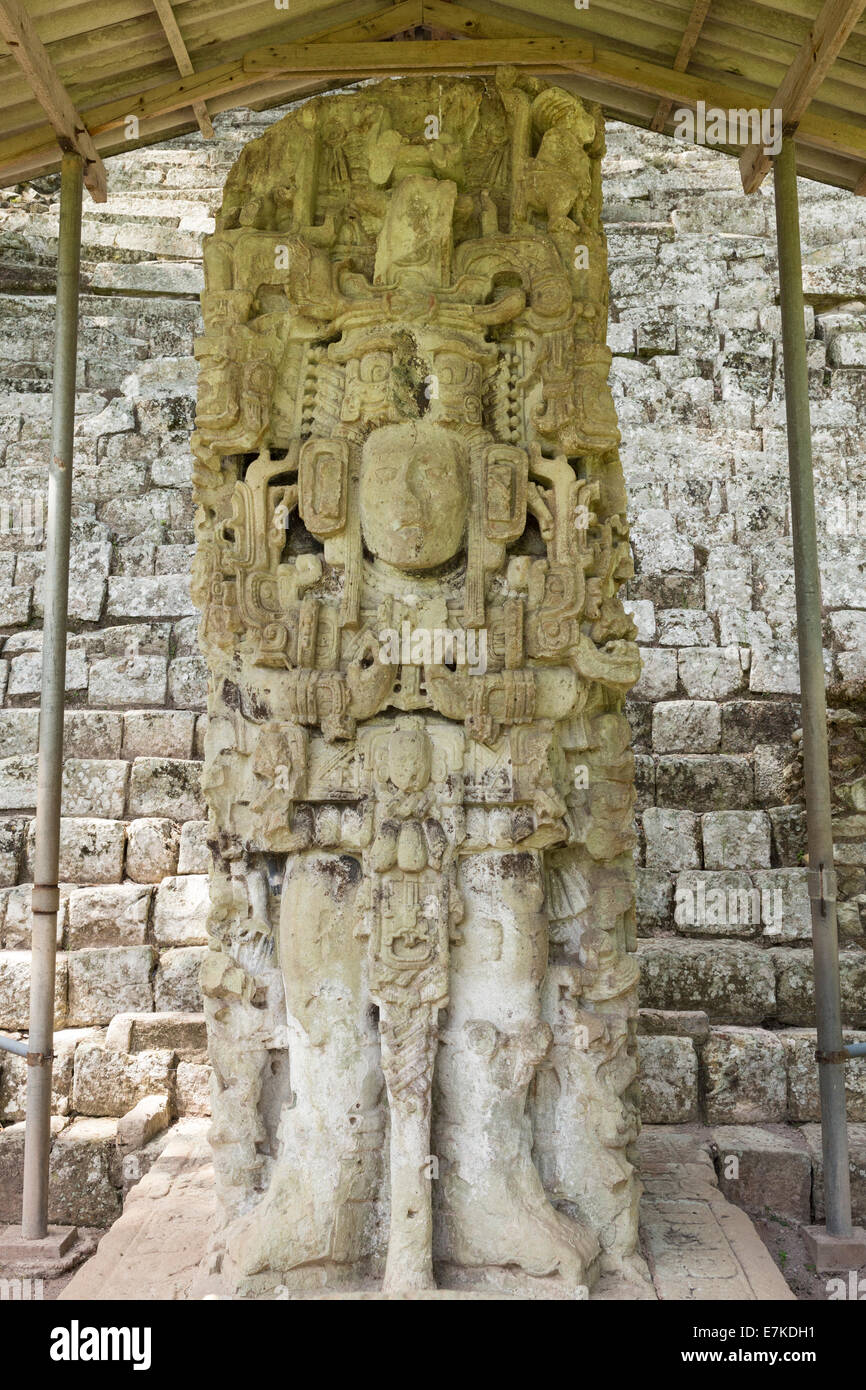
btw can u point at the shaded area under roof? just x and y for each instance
(118, 59)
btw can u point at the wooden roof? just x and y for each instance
(74, 72)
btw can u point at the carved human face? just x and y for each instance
(414, 495)
(409, 759)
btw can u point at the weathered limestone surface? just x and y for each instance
(765, 1169)
(84, 1183)
(668, 1080)
(702, 1248)
(422, 888)
(695, 334)
(111, 1083)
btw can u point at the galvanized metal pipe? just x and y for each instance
(37, 1139)
(816, 765)
(13, 1045)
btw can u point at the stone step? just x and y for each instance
(183, 1033)
(84, 1181)
(728, 1075)
(93, 985)
(778, 1170)
(744, 983)
(106, 789)
(856, 1169)
(767, 1170)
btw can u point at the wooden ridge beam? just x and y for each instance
(71, 130)
(183, 60)
(535, 55)
(802, 80)
(681, 61)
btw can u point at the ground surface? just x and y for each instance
(698, 1245)
(785, 1243)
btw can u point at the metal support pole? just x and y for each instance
(825, 945)
(37, 1140)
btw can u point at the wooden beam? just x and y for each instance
(802, 80)
(72, 133)
(183, 60)
(384, 24)
(546, 55)
(348, 60)
(681, 61)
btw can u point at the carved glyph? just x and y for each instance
(411, 536)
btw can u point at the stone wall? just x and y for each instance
(697, 378)
(699, 390)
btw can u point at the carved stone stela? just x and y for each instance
(411, 534)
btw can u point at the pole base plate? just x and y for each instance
(54, 1253)
(835, 1252)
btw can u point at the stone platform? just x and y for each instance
(698, 1245)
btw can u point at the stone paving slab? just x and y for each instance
(698, 1245)
(155, 1247)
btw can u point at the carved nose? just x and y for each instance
(408, 507)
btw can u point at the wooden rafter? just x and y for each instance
(72, 133)
(821, 132)
(681, 61)
(802, 80)
(183, 60)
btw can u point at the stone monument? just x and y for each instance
(411, 534)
